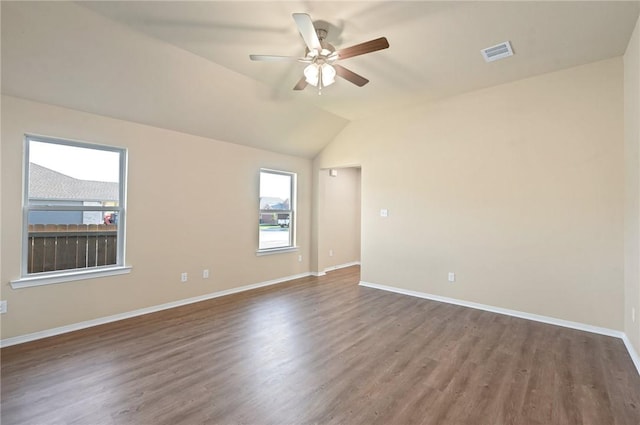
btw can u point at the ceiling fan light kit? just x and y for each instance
(320, 75)
(321, 56)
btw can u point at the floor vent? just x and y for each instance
(499, 51)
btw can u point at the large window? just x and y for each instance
(277, 207)
(74, 208)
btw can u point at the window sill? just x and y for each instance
(271, 251)
(70, 276)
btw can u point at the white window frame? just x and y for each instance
(59, 276)
(291, 211)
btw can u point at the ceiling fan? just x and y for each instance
(321, 56)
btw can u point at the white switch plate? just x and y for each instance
(300, 258)
(452, 277)
(384, 213)
(633, 314)
(3, 307)
(331, 253)
(205, 274)
(184, 277)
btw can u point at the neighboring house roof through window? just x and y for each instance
(269, 202)
(45, 183)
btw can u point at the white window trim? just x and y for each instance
(61, 276)
(293, 201)
(48, 278)
(271, 251)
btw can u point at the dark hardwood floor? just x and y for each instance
(321, 351)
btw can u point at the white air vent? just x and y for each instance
(499, 51)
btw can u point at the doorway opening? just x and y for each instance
(339, 225)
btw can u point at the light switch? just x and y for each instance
(384, 213)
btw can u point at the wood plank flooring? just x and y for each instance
(321, 351)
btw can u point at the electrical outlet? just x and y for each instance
(452, 277)
(205, 274)
(3, 307)
(184, 277)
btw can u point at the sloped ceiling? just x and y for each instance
(185, 66)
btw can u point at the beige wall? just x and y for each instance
(632, 187)
(339, 221)
(192, 202)
(518, 189)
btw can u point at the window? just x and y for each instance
(74, 208)
(277, 208)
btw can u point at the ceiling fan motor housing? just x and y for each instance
(325, 55)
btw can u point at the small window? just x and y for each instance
(277, 206)
(73, 208)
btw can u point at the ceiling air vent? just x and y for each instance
(499, 51)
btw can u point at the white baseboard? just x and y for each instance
(632, 352)
(108, 319)
(529, 316)
(332, 268)
(341, 266)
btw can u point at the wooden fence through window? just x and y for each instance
(71, 246)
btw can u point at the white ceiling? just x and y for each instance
(434, 53)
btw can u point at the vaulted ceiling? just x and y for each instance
(185, 65)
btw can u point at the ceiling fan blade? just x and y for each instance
(351, 76)
(272, 58)
(362, 48)
(301, 84)
(307, 30)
